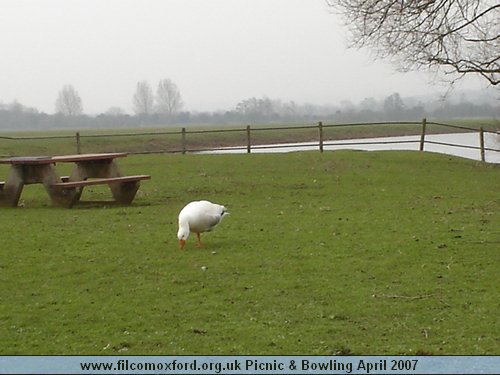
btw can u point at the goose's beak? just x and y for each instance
(182, 243)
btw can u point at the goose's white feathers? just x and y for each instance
(198, 217)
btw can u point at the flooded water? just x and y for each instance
(465, 145)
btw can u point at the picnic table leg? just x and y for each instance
(24, 174)
(59, 197)
(64, 197)
(11, 191)
(93, 169)
(124, 192)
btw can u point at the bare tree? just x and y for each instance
(168, 97)
(461, 37)
(143, 98)
(393, 103)
(69, 102)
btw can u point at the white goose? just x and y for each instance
(198, 217)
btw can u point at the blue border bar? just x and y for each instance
(249, 365)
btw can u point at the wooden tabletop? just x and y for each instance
(27, 160)
(87, 157)
(61, 159)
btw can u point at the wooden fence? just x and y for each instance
(247, 146)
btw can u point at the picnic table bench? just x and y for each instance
(123, 188)
(89, 169)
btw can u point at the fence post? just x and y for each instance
(320, 129)
(78, 144)
(481, 143)
(422, 136)
(249, 140)
(183, 140)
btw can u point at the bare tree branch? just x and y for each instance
(459, 36)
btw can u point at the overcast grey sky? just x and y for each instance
(218, 52)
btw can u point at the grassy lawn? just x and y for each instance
(337, 253)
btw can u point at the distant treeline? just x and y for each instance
(15, 116)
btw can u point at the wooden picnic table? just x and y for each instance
(89, 169)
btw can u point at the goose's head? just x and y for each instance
(183, 234)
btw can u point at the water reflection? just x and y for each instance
(465, 145)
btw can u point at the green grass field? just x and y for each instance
(336, 253)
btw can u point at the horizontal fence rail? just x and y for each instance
(188, 141)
